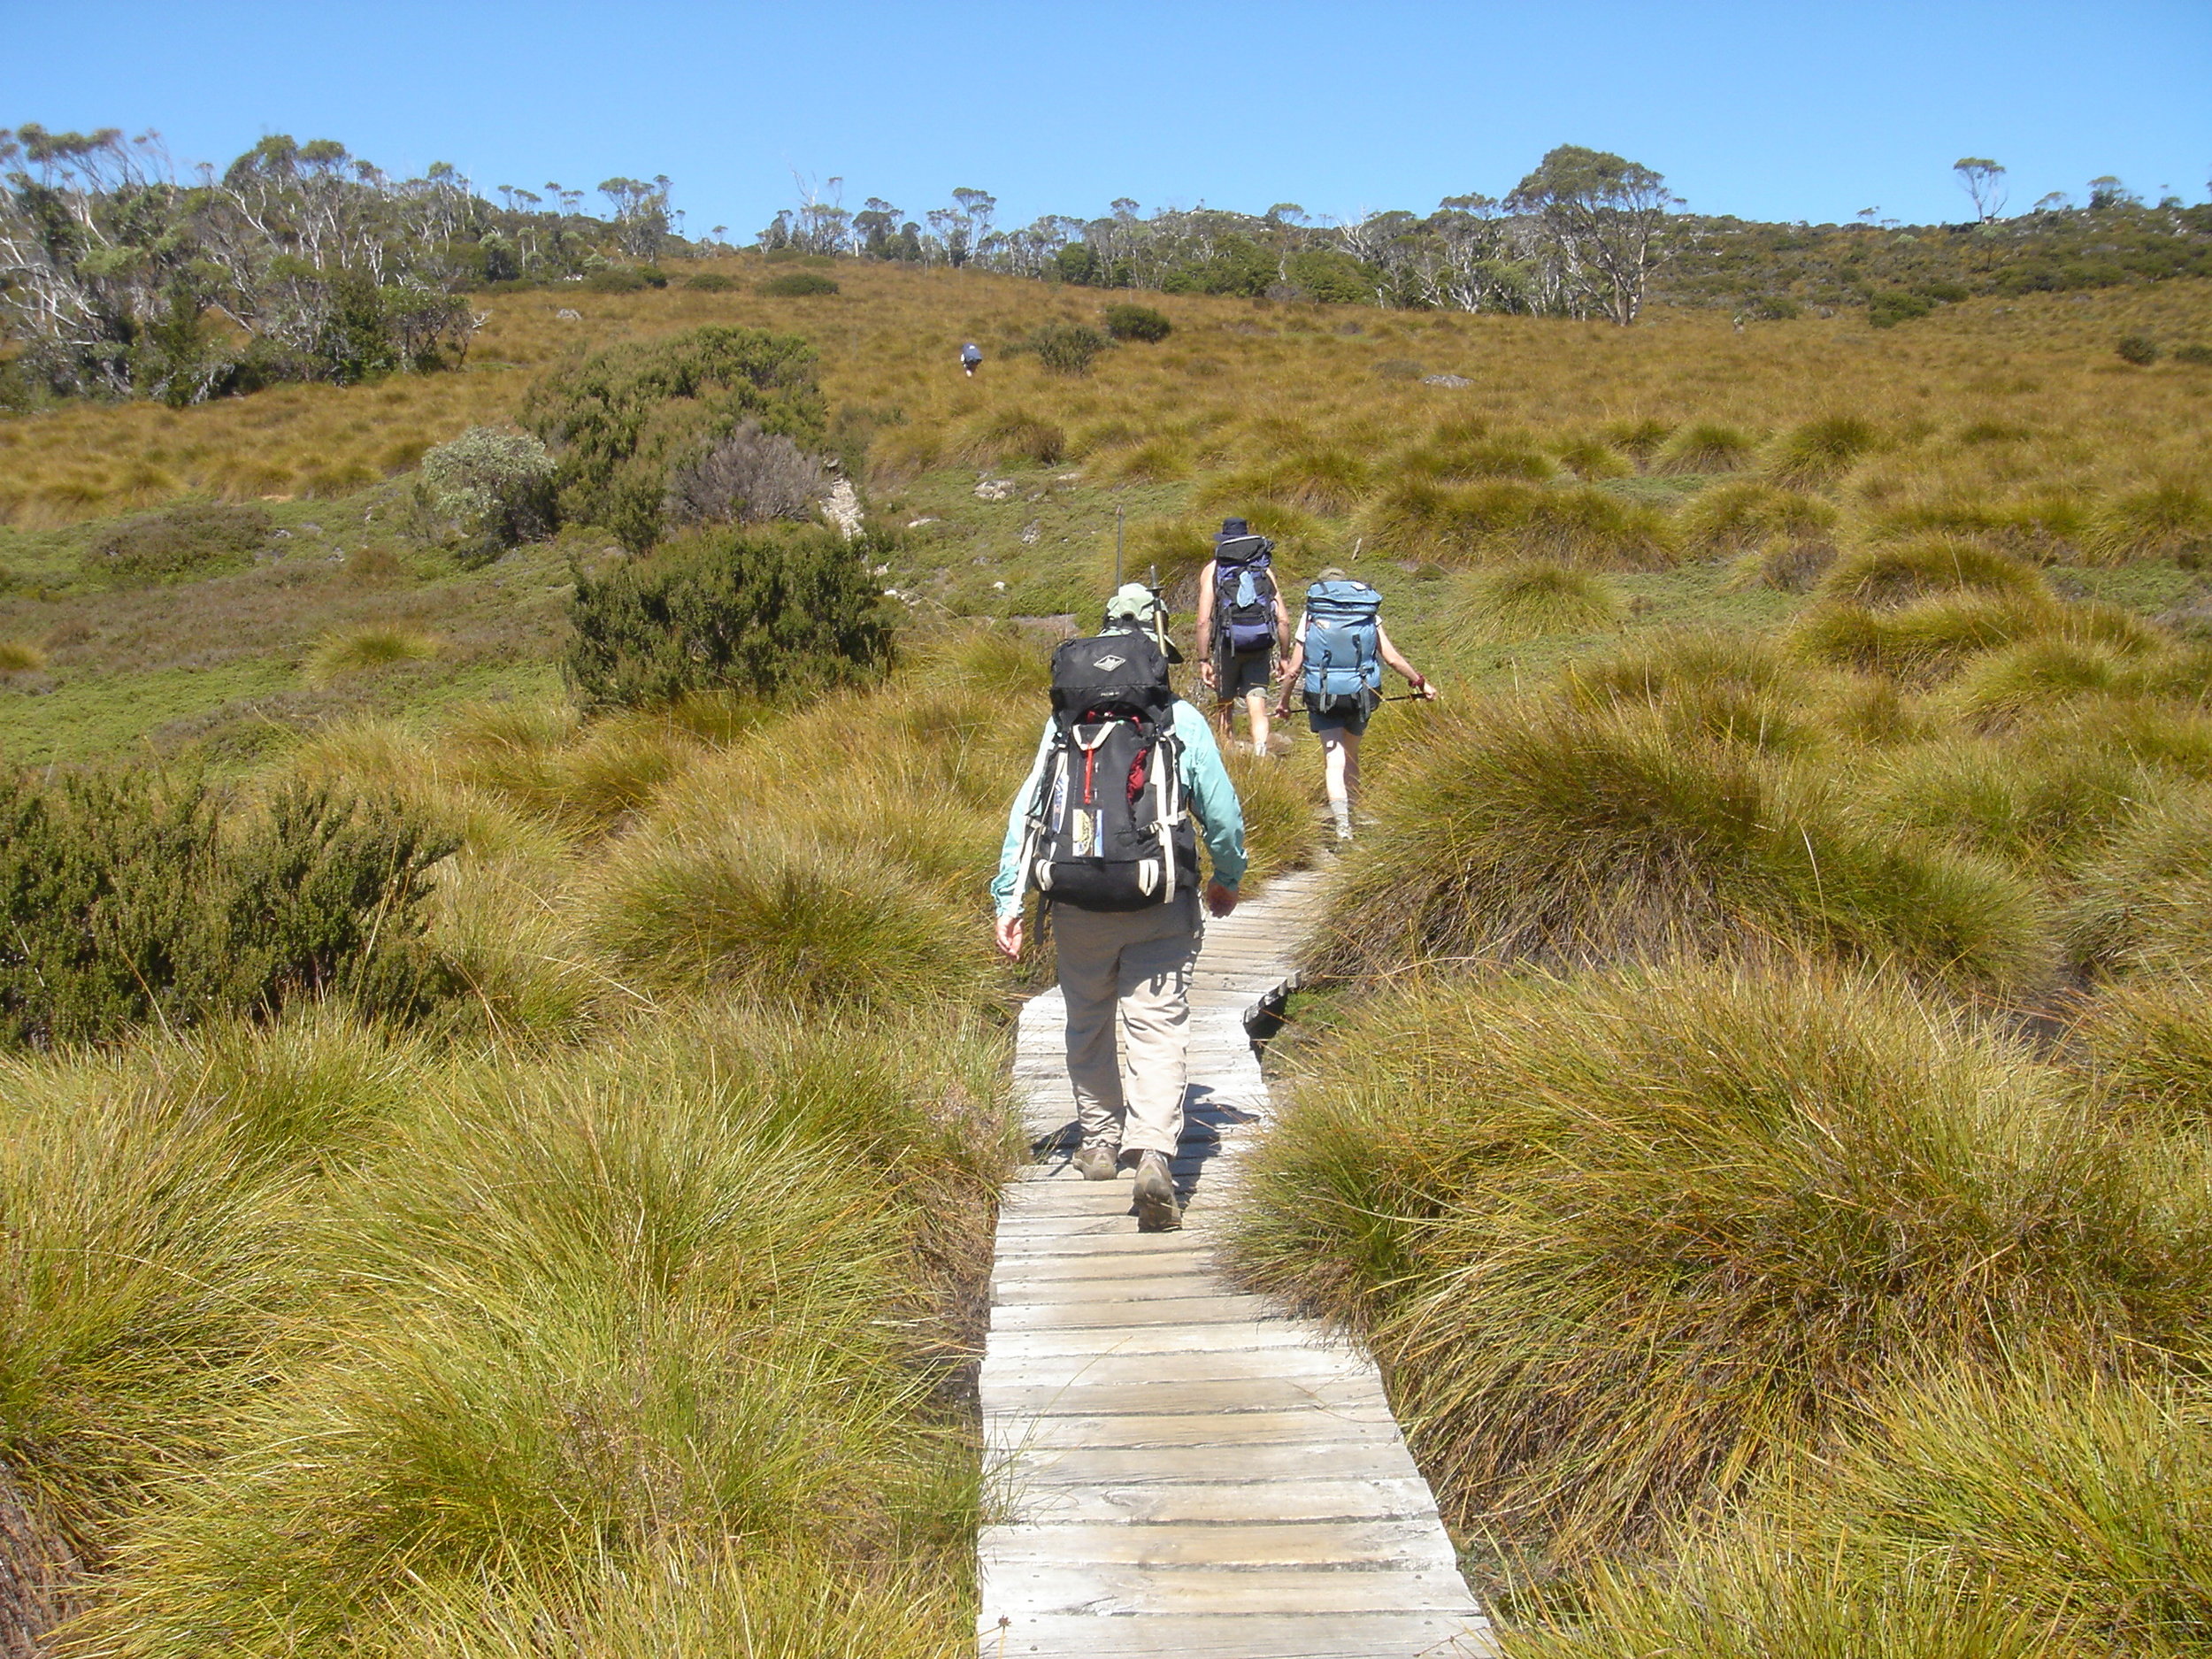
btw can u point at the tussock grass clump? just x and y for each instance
(1622, 1241)
(1584, 835)
(20, 657)
(1528, 602)
(1821, 451)
(2148, 1043)
(1737, 517)
(1734, 687)
(2035, 674)
(2169, 520)
(2039, 807)
(1591, 458)
(1282, 817)
(2144, 904)
(1789, 567)
(1010, 434)
(1708, 447)
(1888, 578)
(1327, 481)
(626, 1309)
(2041, 527)
(783, 918)
(2029, 1513)
(370, 648)
(1470, 459)
(1507, 519)
(1926, 639)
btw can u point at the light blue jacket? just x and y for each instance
(1205, 784)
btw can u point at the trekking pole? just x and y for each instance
(1120, 514)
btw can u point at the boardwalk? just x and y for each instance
(1185, 1470)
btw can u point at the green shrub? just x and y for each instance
(748, 476)
(485, 492)
(192, 539)
(1137, 322)
(798, 285)
(616, 279)
(1595, 834)
(127, 899)
(2138, 348)
(1887, 310)
(1621, 1241)
(2195, 354)
(1068, 347)
(765, 613)
(711, 282)
(620, 418)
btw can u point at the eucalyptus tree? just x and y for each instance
(1603, 221)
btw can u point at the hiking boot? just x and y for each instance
(1097, 1162)
(1157, 1208)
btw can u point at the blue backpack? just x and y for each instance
(1343, 648)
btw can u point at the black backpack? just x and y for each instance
(1109, 830)
(1244, 595)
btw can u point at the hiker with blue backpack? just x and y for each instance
(1103, 830)
(1242, 624)
(1337, 660)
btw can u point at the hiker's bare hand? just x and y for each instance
(1008, 931)
(1427, 690)
(1220, 900)
(1206, 674)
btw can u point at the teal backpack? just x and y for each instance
(1343, 648)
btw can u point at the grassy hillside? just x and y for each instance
(1756, 1107)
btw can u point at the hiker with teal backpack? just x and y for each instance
(1243, 624)
(1337, 660)
(1103, 830)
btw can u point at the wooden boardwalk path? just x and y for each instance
(1185, 1470)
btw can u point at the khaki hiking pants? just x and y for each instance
(1138, 962)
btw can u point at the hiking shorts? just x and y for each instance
(1350, 722)
(1237, 677)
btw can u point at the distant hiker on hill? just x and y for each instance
(1103, 829)
(1242, 623)
(1337, 660)
(971, 359)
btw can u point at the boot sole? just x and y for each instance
(1157, 1208)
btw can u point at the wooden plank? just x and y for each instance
(1165, 1430)
(1222, 1395)
(1297, 1359)
(1333, 1544)
(1104, 1591)
(1378, 1456)
(1348, 1635)
(1093, 1315)
(1363, 1498)
(1247, 1336)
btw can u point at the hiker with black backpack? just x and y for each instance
(1102, 828)
(971, 359)
(1336, 659)
(1242, 624)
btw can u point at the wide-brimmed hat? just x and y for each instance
(1231, 529)
(1133, 605)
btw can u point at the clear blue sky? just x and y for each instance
(1770, 111)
